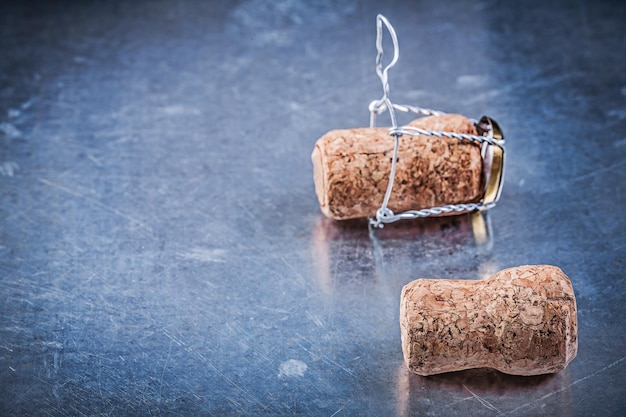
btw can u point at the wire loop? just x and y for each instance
(493, 141)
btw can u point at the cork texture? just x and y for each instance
(351, 169)
(520, 321)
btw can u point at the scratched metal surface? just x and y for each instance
(161, 248)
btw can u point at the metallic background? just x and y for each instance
(161, 247)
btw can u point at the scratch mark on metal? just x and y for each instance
(219, 372)
(599, 171)
(459, 401)
(205, 255)
(294, 270)
(553, 393)
(94, 159)
(8, 168)
(169, 354)
(169, 336)
(481, 400)
(247, 210)
(95, 202)
(325, 359)
(336, 412)
(10, 130)
(316, 320)
(229, 380)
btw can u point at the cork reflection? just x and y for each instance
(337, 247)
(454, 392)
(341, 250)
(472, 228)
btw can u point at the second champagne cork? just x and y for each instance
(520, 321)
(352, 166)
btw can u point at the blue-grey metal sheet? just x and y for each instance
(161, 247)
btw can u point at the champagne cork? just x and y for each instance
(520, 321)
(351, 169)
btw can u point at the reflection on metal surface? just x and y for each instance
(449, 228)
(162, 244)
(403, 392)
(481, 228)
(487, 387)
(329, 237)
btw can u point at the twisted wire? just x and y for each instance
(416, 131)
(378, 107)
(418, 110)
